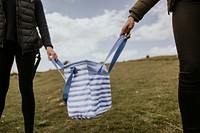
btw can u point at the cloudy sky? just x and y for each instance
(87, 29)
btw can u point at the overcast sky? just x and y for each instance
(87, 29)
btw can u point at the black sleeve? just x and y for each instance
(42, 23)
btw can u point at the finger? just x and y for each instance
(54, 55)
(123, 31)
(49, 56)
(128, 36)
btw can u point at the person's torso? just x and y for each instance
(20, 18)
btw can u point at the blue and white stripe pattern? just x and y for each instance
(89, 94)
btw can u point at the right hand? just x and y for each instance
(51, 52)
(127, 27)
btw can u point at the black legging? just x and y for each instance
(186, 26)
(25, 64)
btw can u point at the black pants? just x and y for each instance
(25, 64)
(186, 26)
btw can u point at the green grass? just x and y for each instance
(144, 97)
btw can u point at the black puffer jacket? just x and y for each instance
(27, 33)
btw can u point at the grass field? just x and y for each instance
(144, 97)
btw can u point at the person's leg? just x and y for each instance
(25, 65)
(186, 26)
(6, 61)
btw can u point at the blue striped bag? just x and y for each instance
(87, 90)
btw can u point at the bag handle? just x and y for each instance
(118, 47)
(57, 63)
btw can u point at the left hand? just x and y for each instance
(51, 52)
(128, 27)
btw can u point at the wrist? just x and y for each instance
(48, 46)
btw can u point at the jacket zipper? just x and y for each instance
(4, 23)
(18, 24)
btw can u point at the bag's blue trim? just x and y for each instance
(87, 79)
(89, 93)
(106, 88)
(87, 99)
(74, 86)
